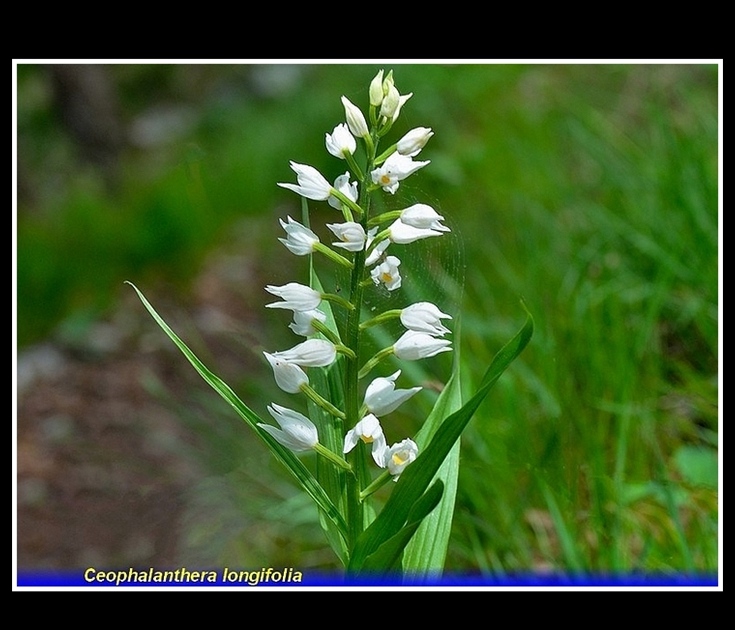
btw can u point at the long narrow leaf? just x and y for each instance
(419, 475)
(329, 383)
(294, 465)
(387, 557)
(427, 550)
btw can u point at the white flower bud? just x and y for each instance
(413, 345)
(300, 240)
(382, 397)
(297, 432)
(312, 184)
(376, 90)
(297, 297)
(425, 317)
(289, 376)
(310, 353)
(341, 142)
(355, 120)
(415, 140)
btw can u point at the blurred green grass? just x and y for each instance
(590, 191)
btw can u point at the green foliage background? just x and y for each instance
(590, 191)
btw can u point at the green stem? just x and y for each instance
(379, 356)
(355, 168)
(332, 457)
(348, 202)
(385, 154)
(338, 299)
(313, 395)
(382, 318)
(386, 216)
(326, 331)
(348, 352)
(332, 255)
(379, 482)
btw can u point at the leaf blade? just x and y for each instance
(419, 475)
(292, 463)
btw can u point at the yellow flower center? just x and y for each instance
(398, 460)
(386, 277)
(385, 179)
(368, 439)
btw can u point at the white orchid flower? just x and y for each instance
(415, 140)
(341, 142)
(382, 397)
(370, 432)
(289, 376)
(312, 183)
(425, 317)
(302, 323)
(413, 345)
(297, 297)
(387, 273)
(343, 185)
(379, 249)
(395, 169)
(400, 455)
(297, 432)
(423, 216)
(300, 240)
(402, 233)
(309, 353)
(351, 235)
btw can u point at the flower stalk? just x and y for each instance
(364, 242)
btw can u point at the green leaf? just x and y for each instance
(425, 553)
(294, 465)
(417, 477)
(387, 557)
(329, 383)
